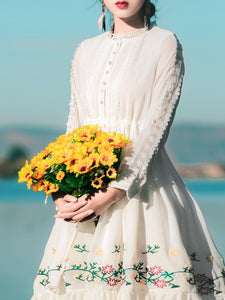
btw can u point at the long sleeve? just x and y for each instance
(164, 100)
(73, 117)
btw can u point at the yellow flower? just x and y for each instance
(62, 154)
(209, 258)
(97, 183)
(83, 166)
(94, 159)
(108, 159)
(54, 188)
(50, 188)
(86, 133)
(71, 165)
(111, 173)
(174, 252)
(98, 252)
(41, 185)
(141, 283)
(105, 147)
(44, 164)
(91, 146)
(40, 170)
(60, 175)
(35, 187)
(42, 268)
(188, 266)
(34, 161)
(45, 153)
(25, 173)
(29, 183)
(117, 140)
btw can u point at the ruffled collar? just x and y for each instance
(126, 35)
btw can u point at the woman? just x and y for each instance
(151, 241)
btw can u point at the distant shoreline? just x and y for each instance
(9, 169)
(201, 170)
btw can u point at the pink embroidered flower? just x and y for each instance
(111, 281)
(160, 283)
(122, 282)
(107, 269)
(205, 290)
(156, 270)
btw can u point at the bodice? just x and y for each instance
(129, 84)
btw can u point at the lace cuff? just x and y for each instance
(165, 97)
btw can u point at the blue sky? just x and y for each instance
(38, 39)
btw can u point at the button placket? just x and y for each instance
(109, 65)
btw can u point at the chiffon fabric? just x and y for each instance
(154, 242)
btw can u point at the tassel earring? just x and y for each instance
(101, 20)
(147, 13)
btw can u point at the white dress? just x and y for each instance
(153, 244)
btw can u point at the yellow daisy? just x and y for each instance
(84, 165)
(174, 252)
(97, 183)
(111, 173)
(108, 159)
(60, 175)
(98, 252)
(25, 173)
(94, 159)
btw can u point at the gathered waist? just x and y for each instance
(130, 128)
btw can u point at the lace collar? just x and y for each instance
(126, 35)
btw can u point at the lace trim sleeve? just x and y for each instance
(73, 120)
(166, 94)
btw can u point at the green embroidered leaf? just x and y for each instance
(117, 249)
(151, 250)
(166, 274)
(67, 284)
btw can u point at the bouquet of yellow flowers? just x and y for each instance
(81, 162)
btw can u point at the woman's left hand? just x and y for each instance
(95, 206)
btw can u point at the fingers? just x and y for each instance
(70, 198)
(71, 207)
(74, 214)
(86, 215)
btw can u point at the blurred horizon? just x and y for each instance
(39, 40)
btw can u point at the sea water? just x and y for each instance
(25, 224)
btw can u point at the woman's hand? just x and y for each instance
(95, 205)
(64, 202)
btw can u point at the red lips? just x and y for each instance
(121, 4)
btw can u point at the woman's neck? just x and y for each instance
(127, 25)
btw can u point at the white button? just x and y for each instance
(101, 102)
(104, 83)
(107, 72)
(110, 62)
(114, 52)
(102, 91)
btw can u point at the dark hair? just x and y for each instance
(152, 10)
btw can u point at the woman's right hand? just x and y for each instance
(67, 203)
